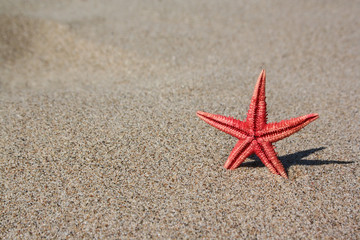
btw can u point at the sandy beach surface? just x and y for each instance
(99, 137)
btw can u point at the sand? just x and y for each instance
(99, 136)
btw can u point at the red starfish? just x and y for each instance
(254, 134)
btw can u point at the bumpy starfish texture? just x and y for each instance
(255, 134)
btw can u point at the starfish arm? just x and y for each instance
(276, 131)
(234, 127)
(256, 116)
(265, 151)
(241, 151)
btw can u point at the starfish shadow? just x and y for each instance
(296, 159)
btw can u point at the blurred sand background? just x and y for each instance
(99, 136)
